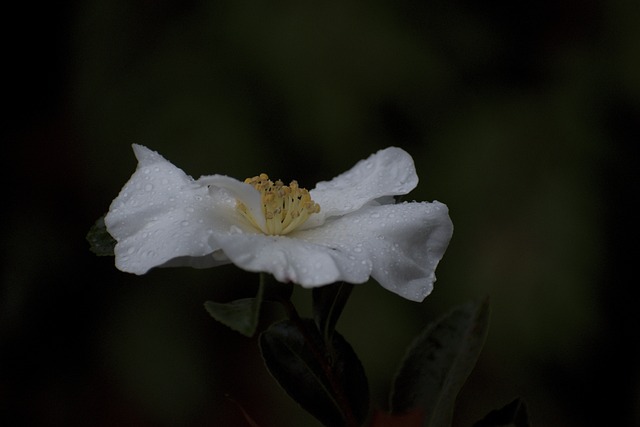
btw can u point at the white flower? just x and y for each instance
(345, 229)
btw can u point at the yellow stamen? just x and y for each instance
(284, 207)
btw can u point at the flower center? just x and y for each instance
(285, 207)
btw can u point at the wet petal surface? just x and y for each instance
(388, 172)
(398, 245)
(161, 214)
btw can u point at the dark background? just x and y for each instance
(522, 116)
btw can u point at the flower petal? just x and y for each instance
(161, 215)
(289, 260)
(398, 245)
(403, 243)
(241, 191)
(388, 172)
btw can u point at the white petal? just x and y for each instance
(161, 215)
(289, 260)
(403, 243)
(398, 245)
(241, 191)
(388, 172)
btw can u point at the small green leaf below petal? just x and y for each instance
(328, 303)
(296, 357)
(438, 363)
(100, 241)
(240, 315)
(512, 415)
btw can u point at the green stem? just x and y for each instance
(339, 393)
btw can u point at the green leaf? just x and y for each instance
(328, 303)
(100, 241)
(240, 315)
(512, 415)
(333, 390)
(438, 363)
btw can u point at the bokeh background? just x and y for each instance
(522, 116)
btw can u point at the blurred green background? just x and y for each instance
(522, 117)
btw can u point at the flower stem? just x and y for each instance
(338, 390)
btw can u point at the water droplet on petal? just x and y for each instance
(184, 223)
(148, 187)
(234, 229)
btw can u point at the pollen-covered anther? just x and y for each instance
(284, 207)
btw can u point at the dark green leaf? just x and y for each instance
(438, 363)
(512, 415)
(100, 241)
(240, 315)
(328, 303)
(331, 389)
